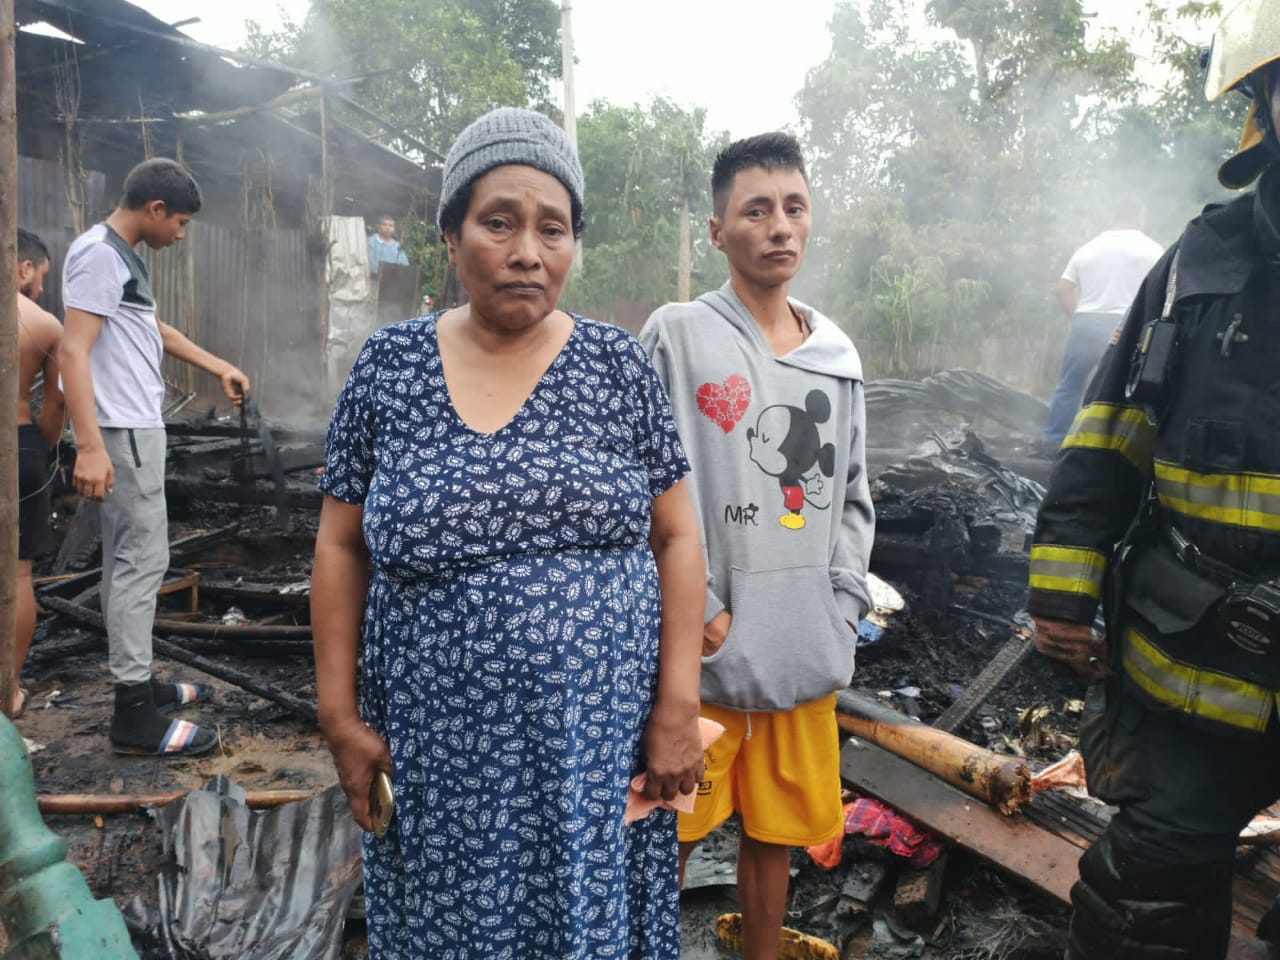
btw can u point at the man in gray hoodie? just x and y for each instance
(768, 397)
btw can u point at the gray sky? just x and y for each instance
(743, 60)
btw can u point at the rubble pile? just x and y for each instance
(929, 866)
(902, 414)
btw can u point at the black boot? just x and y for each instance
(1129, 910)
(137, 727)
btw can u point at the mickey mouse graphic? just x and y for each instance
(785, 444)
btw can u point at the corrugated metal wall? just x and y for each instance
(252, 297)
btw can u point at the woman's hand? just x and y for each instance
(672, 746)
(358, 754)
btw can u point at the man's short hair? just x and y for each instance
(165, 180)
(31, 247)
(387, 216)
(772, 151)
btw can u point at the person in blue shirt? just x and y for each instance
(383, 246)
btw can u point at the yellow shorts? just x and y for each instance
(779, 771)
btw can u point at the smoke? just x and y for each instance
(954, 175)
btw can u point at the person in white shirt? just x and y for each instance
(1096, 289)
(110, 355)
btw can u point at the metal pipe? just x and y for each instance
(45, 905)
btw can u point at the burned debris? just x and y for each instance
(948, 851)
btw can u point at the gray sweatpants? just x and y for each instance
(135, 548)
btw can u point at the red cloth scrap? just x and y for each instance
(885, 828)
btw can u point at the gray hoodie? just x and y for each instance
(780, 488)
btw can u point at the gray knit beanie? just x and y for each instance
(510, 135)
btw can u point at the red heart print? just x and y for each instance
(725, 403)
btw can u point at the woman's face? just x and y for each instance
(514, 248)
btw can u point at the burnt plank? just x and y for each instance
(1014, 844)
(1024, 850)
(1002, 664)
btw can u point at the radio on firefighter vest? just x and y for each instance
(1153, 358)
(1250, 617)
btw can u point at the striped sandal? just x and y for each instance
(182, 738)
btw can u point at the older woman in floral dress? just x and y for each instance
(509, 563)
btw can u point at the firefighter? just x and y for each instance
(1164, 505)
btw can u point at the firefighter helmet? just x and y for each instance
(1247, 39)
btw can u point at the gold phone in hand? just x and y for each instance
(382, 804)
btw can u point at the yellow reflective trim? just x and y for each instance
(1067, 570)
(1108, 426)
(1203, 693)
(1250, 500)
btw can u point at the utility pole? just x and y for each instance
(570, 108)
(684, 266)
(8, 358)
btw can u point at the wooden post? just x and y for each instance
(186, 320)
(8, 358)
(326, 210)
(570, 106)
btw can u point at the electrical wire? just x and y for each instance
(53, 474)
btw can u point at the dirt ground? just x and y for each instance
(917, 665)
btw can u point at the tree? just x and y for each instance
(646, 168)
(956, 169)
(430, 66)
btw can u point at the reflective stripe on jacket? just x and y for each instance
(1211, 697)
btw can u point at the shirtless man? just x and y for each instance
(39, 334)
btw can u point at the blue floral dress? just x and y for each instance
(510, 651)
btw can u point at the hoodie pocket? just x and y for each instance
(787, 643)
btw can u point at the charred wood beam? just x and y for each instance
(179, 550)
(242, 632)
(252, 650)
(239, 632)
(94, 803)
(290, 461)
(1014, 651)
(185, 490)
(1002, 782)
(59, 651)
(199, 428)
(268, 441)
(241, 591)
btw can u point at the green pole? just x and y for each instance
(45, 905)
